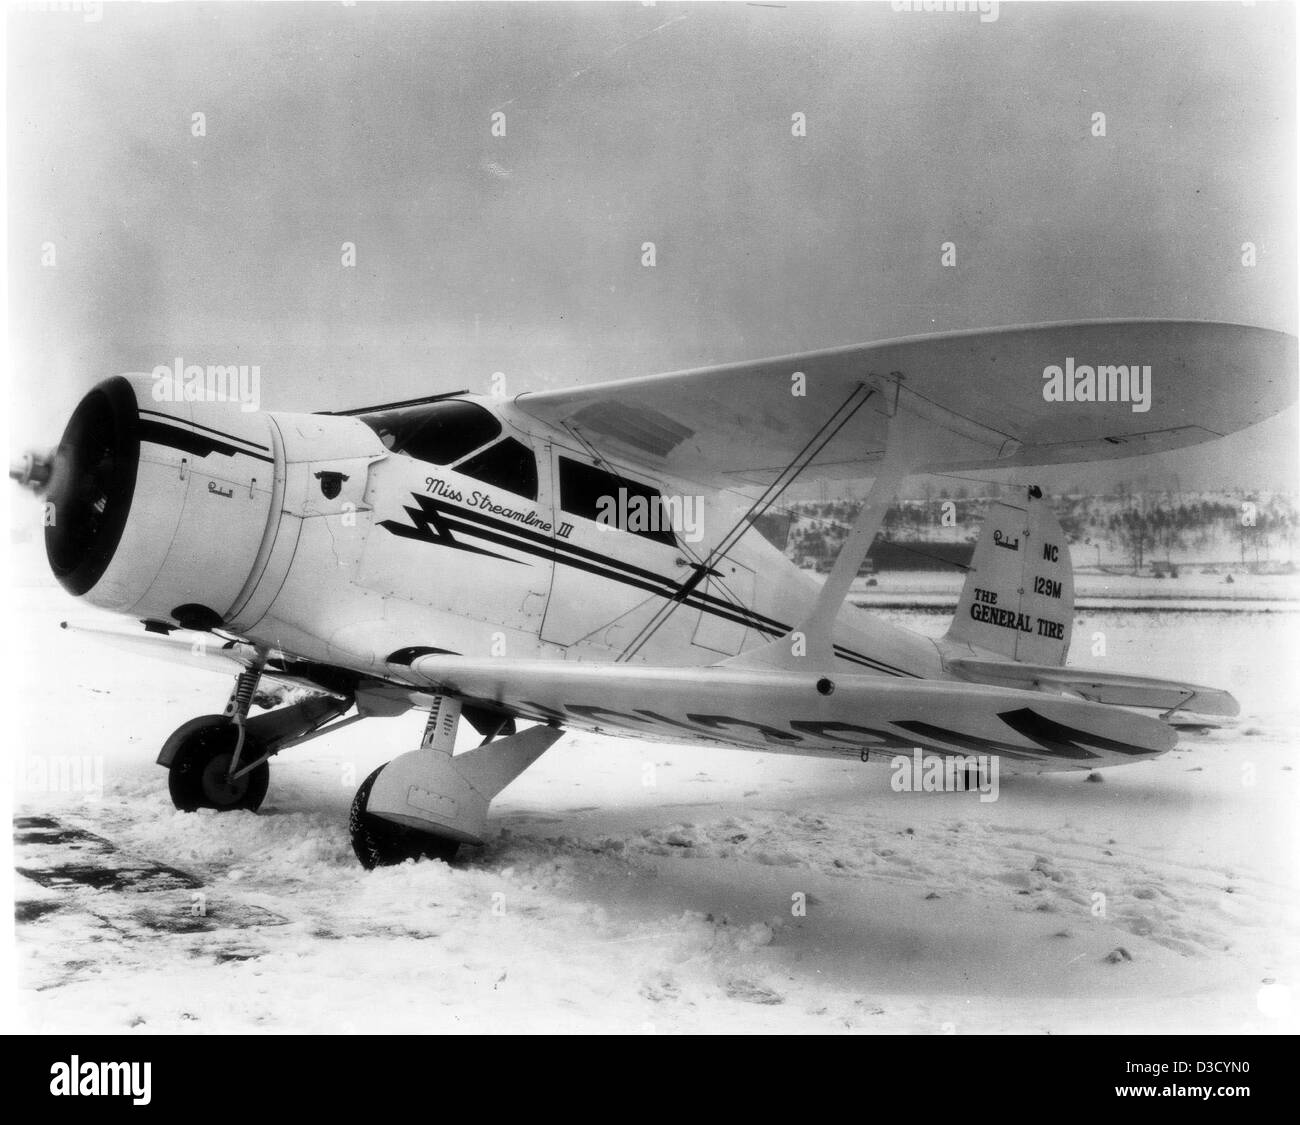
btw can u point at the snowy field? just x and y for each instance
(641, 889)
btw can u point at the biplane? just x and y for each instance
(607, 558)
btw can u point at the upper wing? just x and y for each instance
(785, 712)
(984, 388)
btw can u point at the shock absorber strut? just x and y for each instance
(241, 699)
(440, 729)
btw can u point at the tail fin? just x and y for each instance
(1018, 600)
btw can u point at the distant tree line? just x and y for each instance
(1140, 527)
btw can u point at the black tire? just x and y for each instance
(196, 778)
(381, 843)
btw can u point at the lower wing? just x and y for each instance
(209, 653)
(855, 716)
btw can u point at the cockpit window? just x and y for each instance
(440, 433)
(614, 501)
(509, 464)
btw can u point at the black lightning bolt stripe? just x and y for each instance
(554, 548)
(443, 520)
(431, 527)
(435, 521)
(592, 562)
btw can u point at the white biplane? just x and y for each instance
(529, 560)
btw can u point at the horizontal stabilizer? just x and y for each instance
(1099, 687)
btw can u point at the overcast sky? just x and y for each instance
(627, 124)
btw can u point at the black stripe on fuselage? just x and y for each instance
(440, 520)
(209, 429)
(540, 545)
(582, 558)
(171, 433)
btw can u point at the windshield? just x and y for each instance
(439, 433)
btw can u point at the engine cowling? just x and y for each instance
(160, 509)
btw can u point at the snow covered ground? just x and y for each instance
(637, 889)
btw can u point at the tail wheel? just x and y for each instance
(197, 777)
(381, 843)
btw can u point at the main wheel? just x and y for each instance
(197, 776)
(381, 843)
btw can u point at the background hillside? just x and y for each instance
(1125, 532)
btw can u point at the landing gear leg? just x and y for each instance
(426, 803)
(221, 761)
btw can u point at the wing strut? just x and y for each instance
(809, 646)
(832, 426)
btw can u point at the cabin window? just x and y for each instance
(440, 433)
(610, 499)
(509, 464)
